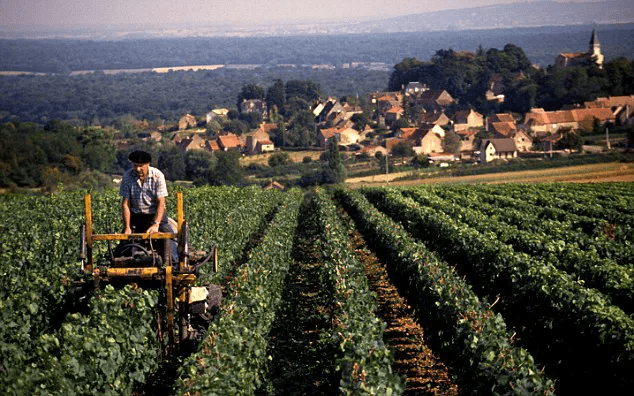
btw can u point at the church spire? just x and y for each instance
(594, 40)
(595, 49)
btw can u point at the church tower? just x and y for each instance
(595, 49)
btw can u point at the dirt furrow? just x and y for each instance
(299, 363)
(424, 373)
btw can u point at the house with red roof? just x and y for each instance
(547, 122)
(393, 114)
(229, 142)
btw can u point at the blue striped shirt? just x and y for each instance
(143, 198)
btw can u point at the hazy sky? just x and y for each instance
(118, 12)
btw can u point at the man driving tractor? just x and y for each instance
(143, 191)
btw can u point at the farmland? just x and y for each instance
(444, 290)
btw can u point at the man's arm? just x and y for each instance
(160, 211)
(125, 215)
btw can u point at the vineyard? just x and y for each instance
(509, 289)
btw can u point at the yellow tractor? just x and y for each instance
(137, 261)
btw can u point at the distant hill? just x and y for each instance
(542, 13)
(519, 15)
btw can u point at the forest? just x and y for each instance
(101, 98)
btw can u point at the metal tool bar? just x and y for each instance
(124, 237)
(180, 214)
(169, 297)
(87, 204)
(145, 273)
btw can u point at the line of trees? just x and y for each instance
(60, 154)
(31, 155)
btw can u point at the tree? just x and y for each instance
(519, 96)
(171, 162)
(198, 165)
(421, 160)
(252, 119)
(402, 149)
(279, 159)
(237, 127)
(333, 172)
(228, 170)
(451, 142)
(276, 96)
(481, 136)
(401, 123)
(569, 140)
(629, 131)
(213, 128)
(620, 72)
(307, 90)
(405, 71)
(302, 128)
(360, 121)
(295, 105)
(97, 151)
(250, 91)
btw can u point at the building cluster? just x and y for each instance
(505, 135)
(482, 138)
(254, 142)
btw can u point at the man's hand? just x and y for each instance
(125, 216)
(153, 228)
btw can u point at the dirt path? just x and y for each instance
(424, 373)
(299, 364)
(593, 173)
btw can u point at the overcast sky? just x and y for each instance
(118, 12)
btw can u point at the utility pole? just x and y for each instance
(387, 180)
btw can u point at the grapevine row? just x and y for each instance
(46, 230)
(365, 363)
(474, 339)
(572, 329)
(606, 196)
(226, 217)
(592, 209)
(603, 274)
(532, 218)
(38, 262)
(111, 350)
(231, 358)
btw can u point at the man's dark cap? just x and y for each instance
(140, 157)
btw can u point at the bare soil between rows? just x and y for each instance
(301, 363)
(424, 373)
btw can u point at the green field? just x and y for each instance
(513, 288)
